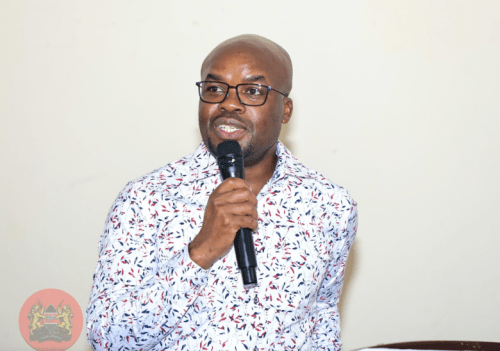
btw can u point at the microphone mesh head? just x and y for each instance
(228, 147)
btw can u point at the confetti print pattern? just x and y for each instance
(148, 294)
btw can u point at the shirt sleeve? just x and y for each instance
(326, 335)
(137, 302)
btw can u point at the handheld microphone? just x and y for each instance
(230, 160)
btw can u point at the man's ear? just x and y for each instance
(287, 110)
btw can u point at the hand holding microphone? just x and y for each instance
(231, 207)
(230, 161)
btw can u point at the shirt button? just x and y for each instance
(256, 301)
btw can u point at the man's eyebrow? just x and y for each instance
(214, 77)
(248, 79)
(255, 78)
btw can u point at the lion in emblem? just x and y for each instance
(64, 315)
(36, 316)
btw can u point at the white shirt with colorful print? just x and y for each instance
(149, 295)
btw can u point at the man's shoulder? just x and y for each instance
(166, 178)
(313, 181)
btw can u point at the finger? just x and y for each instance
(231, 184)
(241, 209)
(237, 196)
(247, 222)
(243, 222)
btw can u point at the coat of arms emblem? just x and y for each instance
(50, 324)
(50, 319)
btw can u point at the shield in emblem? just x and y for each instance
(51, 316)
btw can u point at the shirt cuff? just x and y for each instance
(190, 275)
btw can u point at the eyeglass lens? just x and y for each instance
(249, 94)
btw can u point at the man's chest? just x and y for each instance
(294, 249)
(293, 243)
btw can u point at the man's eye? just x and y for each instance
(214, 89)
(253, 91)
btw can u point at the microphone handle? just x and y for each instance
(245, 256)
(231, 165)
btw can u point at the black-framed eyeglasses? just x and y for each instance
(213, 92)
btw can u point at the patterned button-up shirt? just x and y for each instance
(149, 295)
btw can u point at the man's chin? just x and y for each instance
(245, 148)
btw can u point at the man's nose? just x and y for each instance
(232, 102)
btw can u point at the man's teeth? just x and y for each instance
(228, 129)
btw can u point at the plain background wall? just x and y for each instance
(398, 101)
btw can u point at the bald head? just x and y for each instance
(261, 47)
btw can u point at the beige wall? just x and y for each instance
(398, 101)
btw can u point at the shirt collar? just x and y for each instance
(203, 164)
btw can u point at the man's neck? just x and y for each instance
(258, 174)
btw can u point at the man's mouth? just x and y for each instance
(228, 129)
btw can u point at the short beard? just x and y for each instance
(246, 151)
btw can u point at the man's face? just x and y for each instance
(256, 128)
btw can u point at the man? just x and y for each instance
(167, 277)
